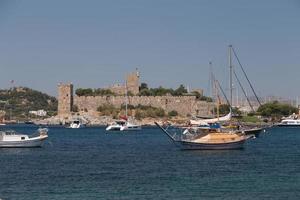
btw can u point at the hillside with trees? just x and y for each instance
(17, 102)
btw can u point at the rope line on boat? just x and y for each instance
(246, 76)
(239, 82)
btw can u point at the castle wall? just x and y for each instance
(118, 89)
(184, 105)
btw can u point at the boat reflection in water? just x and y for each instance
(195, 138)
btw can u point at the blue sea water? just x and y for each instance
(91, 164)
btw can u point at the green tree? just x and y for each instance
(180, 91)
(145, 92)
(84, 92)
(103, 92)
(207, 99)
(143, 86)
(276, 109)
(172, 113)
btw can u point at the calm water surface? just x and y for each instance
(91, 164)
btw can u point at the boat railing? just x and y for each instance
(39, 132)
(183, 133)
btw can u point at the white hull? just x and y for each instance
(124, 127)
(32, 142)
(75, 126)
(290, 122)
(113, 128)
(131, 128)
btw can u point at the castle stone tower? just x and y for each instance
(132, 82)
(65, 99)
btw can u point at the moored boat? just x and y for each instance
(13, 139)
(289, 123)
(76, 124)
(123, 125)
(206, 139)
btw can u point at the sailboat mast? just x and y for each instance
(126, 99)
(212, 85)
(217, 99)
(230, 74)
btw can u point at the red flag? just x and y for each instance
(124, 118)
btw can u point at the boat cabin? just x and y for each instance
(12, 136)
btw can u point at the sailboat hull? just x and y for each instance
(185, 145)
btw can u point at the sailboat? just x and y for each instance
(206, 138)
(200, 137)
(124, 124)
(197, 136)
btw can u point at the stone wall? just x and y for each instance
(184, 105)
(118, 89)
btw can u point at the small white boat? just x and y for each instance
(290, 122)
(13, 139)
(76, 124)
(123, 125)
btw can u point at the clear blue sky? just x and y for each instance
(94, 43)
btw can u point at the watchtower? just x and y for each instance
(132, 82)
(65, 99)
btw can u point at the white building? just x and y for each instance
(40, 113)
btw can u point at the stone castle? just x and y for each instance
(184, 105)
(132, 84)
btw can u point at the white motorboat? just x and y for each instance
(13, 139)
(123, 125)
(76, 124)
(292, 120)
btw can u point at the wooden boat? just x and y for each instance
(208, 139)
(13, 139)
